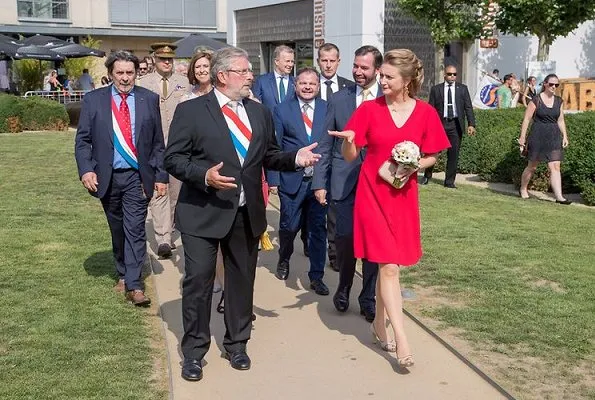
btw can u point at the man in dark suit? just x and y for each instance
(328, 60)
(119, 153)
(218, 145)
(343, 178)
(272, 88)
(299, 121)
(453, 103)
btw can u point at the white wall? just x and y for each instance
(574, 55)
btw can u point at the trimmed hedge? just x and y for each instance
(493, 152)
(31, 114)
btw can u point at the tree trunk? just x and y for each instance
(543, 49)
(438, 65)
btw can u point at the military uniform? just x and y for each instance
(172, 90)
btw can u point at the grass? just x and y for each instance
(64, 334)
(520, 275)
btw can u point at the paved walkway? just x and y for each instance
(301, 348)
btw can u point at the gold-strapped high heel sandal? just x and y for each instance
(389, 346)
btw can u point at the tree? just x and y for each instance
(74, 66)
(545, 19)
(447, 20)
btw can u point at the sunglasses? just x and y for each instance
(451, 74)
(143, 69)
(553, 84)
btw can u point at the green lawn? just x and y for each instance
(519, 275)
(64, 334)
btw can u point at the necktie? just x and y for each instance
(164, 87)
(450, 113)
(127, 128)
(329, 89)
(281, 89)
(365, 94)
(307, 121)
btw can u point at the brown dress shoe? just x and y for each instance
(120, 286)
(137, 297)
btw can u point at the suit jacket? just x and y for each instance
(265, 90)
(178, 88)
(199, 139)
(342, 82)
(94, 141)
(462, 103)
(291, 136)
(332, 167)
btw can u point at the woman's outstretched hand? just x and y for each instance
(347, 135)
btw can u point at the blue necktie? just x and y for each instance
(281, 89)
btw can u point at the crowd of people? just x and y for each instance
(192, 144)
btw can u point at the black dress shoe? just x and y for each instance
(239, 360)
(450, 185)
(333, 265)
(369, 313)
(282, 270)
(192, 370)
(425, 181)
(319, 287)
(341, 299)
(164, 250)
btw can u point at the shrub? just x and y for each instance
(32, 113)
(44, 115)
(11, 109)
(493, 153)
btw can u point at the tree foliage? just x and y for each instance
(545, 19)
(447, 20)
(74, 66)
(30, 73)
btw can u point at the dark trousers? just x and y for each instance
(454, 131)
(345, 255)
(292, 208)
(125, 206)
(240, 253)
(331, 226)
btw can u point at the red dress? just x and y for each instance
(386, 220)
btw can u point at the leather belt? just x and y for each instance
(120, 170)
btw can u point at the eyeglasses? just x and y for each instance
(142, 69)
(553, 84)
(242, 72)
(451, 74)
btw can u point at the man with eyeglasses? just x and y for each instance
(217, 147)
(143, 69)
(172, 89)
(453, 103)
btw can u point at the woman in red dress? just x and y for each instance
(386, 220)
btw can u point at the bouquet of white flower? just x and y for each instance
(405, 156)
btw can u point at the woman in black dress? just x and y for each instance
(530, 91)
(547, 139)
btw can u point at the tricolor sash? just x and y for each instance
(123, 144)
(240, 134)
(307, 125)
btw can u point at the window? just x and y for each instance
(199, 13)
(43, 9)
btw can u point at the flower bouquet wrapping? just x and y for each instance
(404, 156)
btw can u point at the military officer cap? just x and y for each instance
(164, 50)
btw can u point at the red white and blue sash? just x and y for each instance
(240, 134)
(123, 145)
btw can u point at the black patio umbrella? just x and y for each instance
(187, 46)
(37, 53)
(74, 50)
(8, 49)
(43, 40)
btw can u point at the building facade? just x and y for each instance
(119, 24)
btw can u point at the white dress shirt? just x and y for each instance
(454, 103)
(359, 96)
(278, 82)
(334, 86)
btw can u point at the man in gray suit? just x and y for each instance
(343, 178)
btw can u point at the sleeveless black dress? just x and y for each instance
(545, 141)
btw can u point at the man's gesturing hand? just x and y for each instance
(217, 181)
(305, 157)
(320, 195)
(89, 181)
